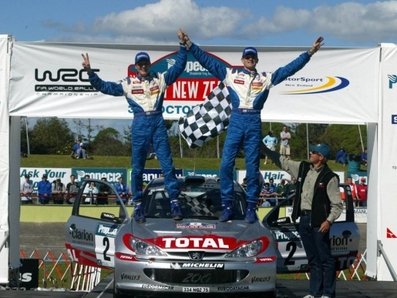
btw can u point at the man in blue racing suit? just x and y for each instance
(145, 94)
(248, 91)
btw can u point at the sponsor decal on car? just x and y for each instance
(82, 235)
(286, 236)
(194, 242)
(202, 265)
(195, 226)
(255, 279)
(233, 288)
(125, 257)
(196, 265)
(266, 259)
(107, 230)
(197, 278)
(126, 276)
(156, 287)
(209, 242)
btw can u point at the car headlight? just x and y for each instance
(143, 248)
(247, 250)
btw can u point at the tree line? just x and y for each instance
(54, 136)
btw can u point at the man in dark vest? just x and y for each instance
(318, 204)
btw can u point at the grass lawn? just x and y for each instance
(65, 161)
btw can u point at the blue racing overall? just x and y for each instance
(145, 97)
(248, 92)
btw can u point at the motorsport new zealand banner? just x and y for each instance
(47, 80)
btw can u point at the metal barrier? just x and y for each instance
(85, 278)
(356, 270)
(60, 272)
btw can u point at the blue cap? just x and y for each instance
(141, 56)
(323, 149)
(250, 51)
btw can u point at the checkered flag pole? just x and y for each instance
(207, 120)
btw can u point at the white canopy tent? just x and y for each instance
(351, 86)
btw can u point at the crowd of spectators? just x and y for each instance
(358, 190)
(57, 192)
(272, 192)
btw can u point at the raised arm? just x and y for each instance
(176, 70)
(291, 68)
(110, 88)
(274, 156)
(207, 61)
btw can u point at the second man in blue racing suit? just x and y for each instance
(145, 94)
(248, 91)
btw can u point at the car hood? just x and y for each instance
(199, 234)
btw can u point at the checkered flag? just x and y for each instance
(208, 119)
(197, 207)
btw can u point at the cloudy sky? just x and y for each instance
(208, 22)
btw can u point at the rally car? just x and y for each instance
(198, 254)
(291, 256)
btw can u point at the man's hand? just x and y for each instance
(181, 36)
(184, 38)
(325, 226)
(86, 62)
(316, 45)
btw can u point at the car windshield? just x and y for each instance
(199, 198)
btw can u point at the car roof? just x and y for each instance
(200, 195)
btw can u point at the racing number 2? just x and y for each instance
(104, 250)
(106, 243)
(291, 247)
